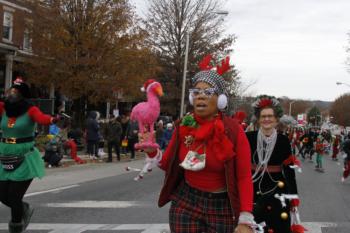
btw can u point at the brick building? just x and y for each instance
(15, 41)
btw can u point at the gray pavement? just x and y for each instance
(104, 198)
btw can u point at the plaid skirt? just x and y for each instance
(194, 211)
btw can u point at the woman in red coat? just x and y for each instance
(207, 164)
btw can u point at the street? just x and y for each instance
(104, 198)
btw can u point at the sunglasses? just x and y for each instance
(208, 92)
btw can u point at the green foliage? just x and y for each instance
(314, 116)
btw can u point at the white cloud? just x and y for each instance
(292, 48)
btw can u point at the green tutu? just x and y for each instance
(33, 165)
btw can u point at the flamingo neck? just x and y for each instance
(152, 98)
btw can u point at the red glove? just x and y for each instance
(296, 228)
(152, 154)
(55, 119)
(294, 203)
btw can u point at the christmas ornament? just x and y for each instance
(284, 216)
(280, 184)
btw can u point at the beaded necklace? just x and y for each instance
(265, 147)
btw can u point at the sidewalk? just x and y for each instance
(67, 161)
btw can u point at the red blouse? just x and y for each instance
(212, 177)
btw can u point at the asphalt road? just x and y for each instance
(104, 198)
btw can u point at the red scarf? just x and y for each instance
(212, 134)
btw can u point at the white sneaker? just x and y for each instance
(342, 179)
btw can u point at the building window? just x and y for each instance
(7, 26)
(27, 41)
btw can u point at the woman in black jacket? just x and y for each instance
(92, 134)
(275, 189)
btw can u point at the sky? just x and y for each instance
(293, 48)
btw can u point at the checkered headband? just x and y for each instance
(213, 79)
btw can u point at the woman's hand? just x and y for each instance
(144, 138)
(243, 228)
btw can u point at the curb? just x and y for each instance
(66, 162)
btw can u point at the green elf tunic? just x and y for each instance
(22, 127)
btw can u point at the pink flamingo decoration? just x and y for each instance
(146, 113)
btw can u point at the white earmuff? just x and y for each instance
(222, 102)
(190, 99)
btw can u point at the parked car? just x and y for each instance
(165, 119)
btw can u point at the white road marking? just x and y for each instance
(312, 227)
(316, 227)
(51, 190)
(79, 228)
(97, 204)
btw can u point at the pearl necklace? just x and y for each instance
(265, 146)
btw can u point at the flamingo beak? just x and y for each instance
(159, 90)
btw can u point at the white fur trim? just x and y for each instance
(222, 102)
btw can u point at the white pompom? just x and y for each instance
(142, 89)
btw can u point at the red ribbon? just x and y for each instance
(292, 160)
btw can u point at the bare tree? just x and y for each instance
(169, 21)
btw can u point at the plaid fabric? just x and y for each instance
(213, 79)
(194, 211)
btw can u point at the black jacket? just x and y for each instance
(267, 208)
(112, 131)
(92, 127)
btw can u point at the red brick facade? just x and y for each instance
(21, 17)
(12, 48)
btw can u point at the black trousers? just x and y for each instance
(131, 147)
(11, 195)
(92, 147)
(116, 146)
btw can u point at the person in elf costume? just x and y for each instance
(20, 161)
(275, 189)
(207, 163)
(320, 150)
(335, 147)
(240, 116)
(307, 144)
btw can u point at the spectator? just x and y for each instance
(66, 141)
(167, 134)
(132, 135)
(125, 124)
(159, 134)
(112, 134)
(92, 135)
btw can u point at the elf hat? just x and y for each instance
(22, 87)
(147, 84)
